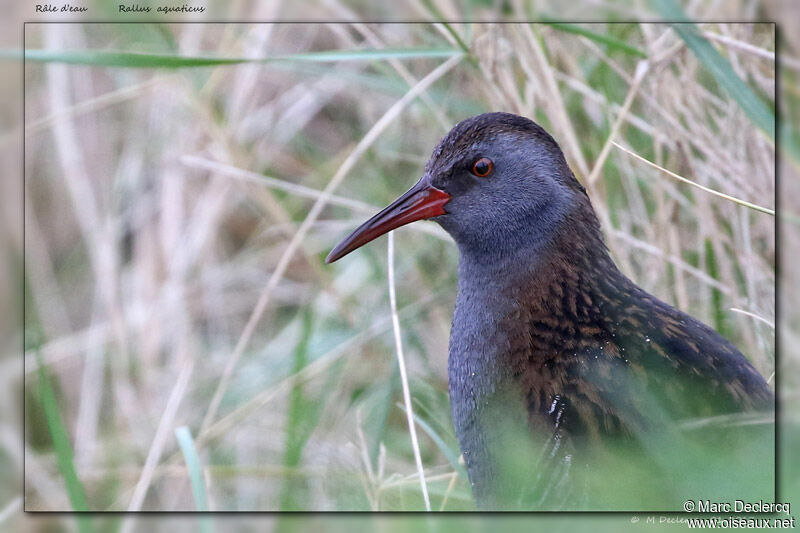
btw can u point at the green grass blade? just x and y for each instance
(610, 42)
(109, 58)
(194, 466)
(297, 421)
(719, 316)
(58, 432)
(452, 457)
(63, 449)
(790, 141)
(437, 15)
(719, 67)
(454, 34)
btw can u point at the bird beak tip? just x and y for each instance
(420, 202)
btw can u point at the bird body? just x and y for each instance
(552, 347)
(586, 353)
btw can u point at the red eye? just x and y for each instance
(482, 167)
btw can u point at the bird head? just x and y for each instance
(495, 182)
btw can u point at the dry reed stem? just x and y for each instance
(641, 70)
(697, 185)
(401, 363)
(391, 114)
(163, 432)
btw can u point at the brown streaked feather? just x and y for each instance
(592, 333)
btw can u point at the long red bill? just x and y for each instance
(421, 201)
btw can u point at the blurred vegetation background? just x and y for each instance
(174, 277)
(174, 259)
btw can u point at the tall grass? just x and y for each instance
(174, 288)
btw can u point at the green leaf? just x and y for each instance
(300, 418)
(109, 58)
(611, 42)
(194, 466)
(448, 452)
(790, 141)
(63, 449)
(719, 67)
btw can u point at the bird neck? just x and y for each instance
(530, 259)
(503, 300)
(568, 277)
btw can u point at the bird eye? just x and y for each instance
(482, 167)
